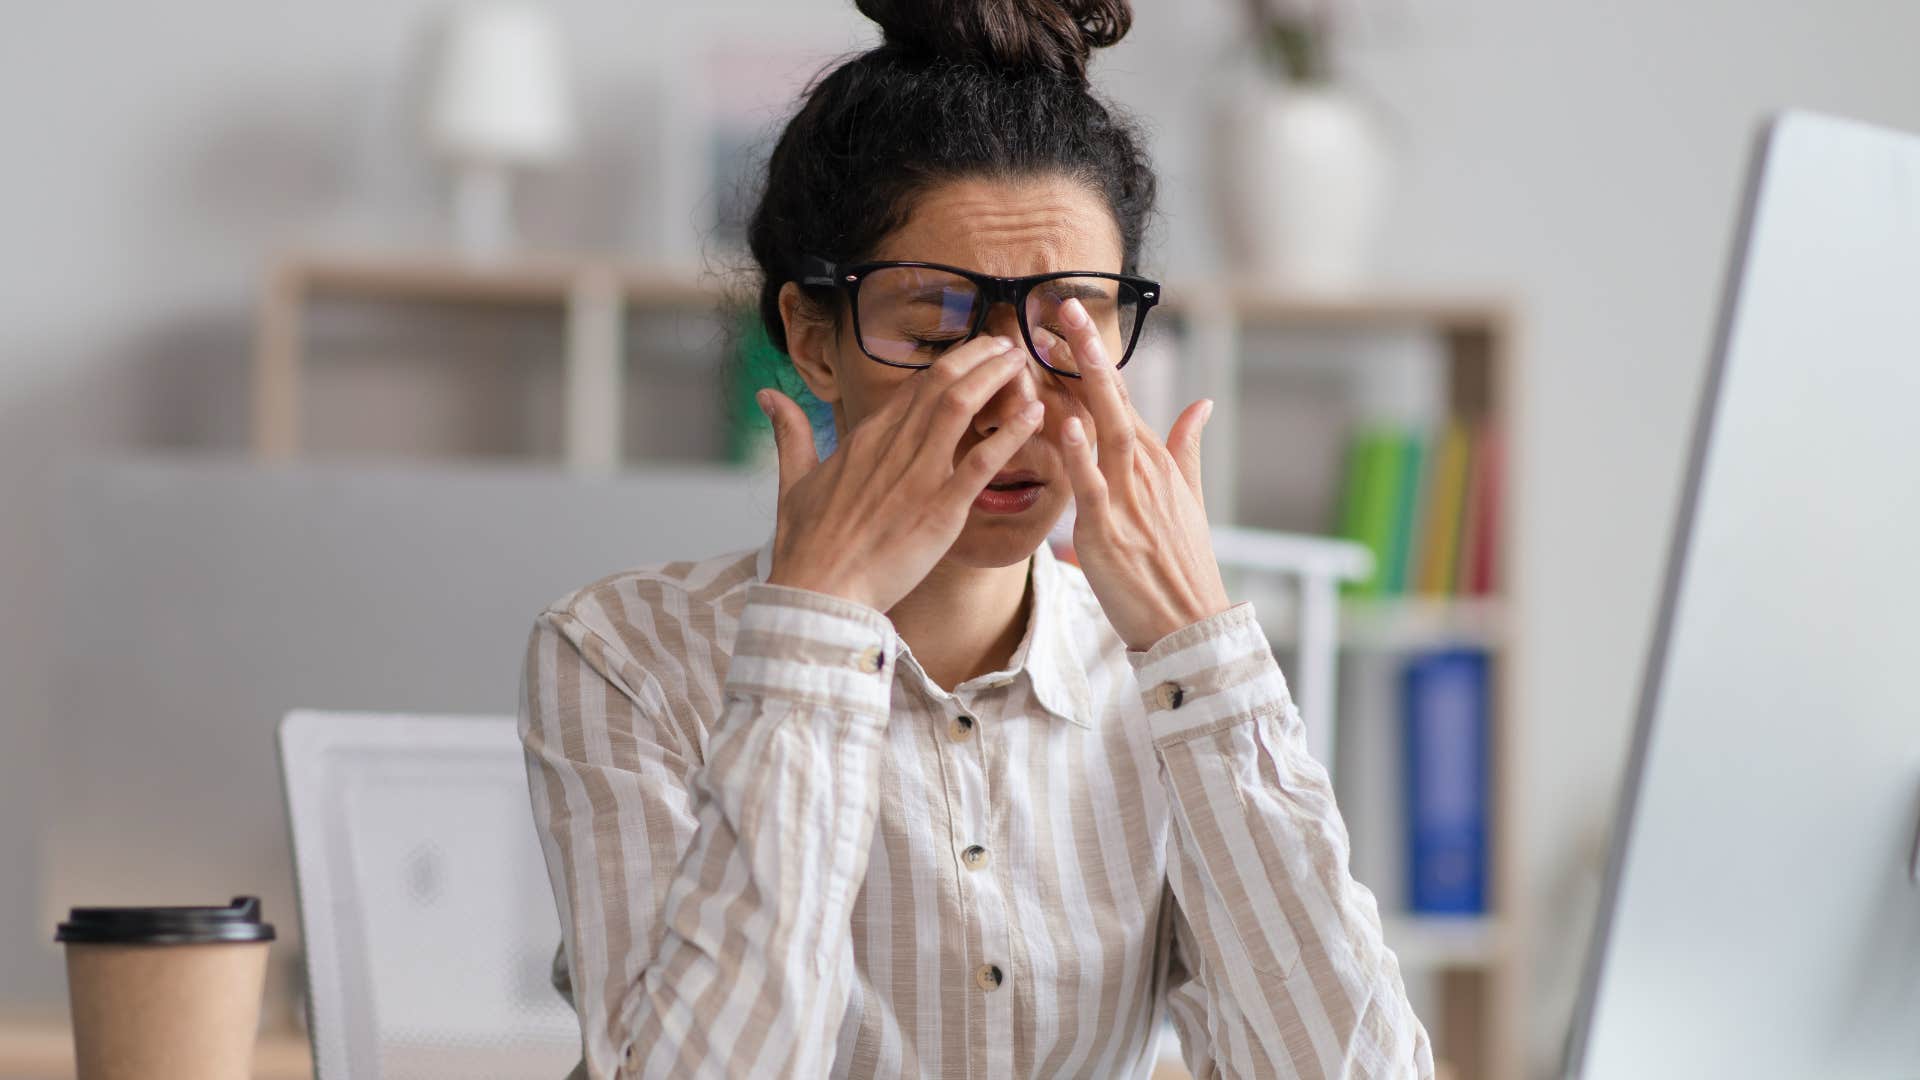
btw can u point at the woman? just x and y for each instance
(898, 793)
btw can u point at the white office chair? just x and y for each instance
(1297, 578)
(429, 922)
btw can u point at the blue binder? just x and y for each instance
(1444, 705)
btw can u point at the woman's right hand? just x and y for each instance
(869, 522)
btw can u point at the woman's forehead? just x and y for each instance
(1008, 227)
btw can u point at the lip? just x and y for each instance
(1011, 501)
(1014, 476)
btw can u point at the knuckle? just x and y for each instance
(957, 403)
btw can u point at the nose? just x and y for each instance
(1015, 393)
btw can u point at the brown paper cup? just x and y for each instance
(166, 993)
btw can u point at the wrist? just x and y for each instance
(1174, 624)
(817, 585)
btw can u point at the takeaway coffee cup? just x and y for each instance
(166, 993)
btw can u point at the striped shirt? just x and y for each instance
(779, 848)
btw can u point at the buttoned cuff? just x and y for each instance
(1208, 676)
(811, 647)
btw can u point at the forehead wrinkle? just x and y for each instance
(1009, 229)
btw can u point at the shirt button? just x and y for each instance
(1169, 695)
(975, 857)
(988, 976)
(870, 659)
(961, 729)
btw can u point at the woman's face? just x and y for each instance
(1008, 228)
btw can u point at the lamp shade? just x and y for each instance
(500, 95)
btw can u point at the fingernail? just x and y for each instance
(1034, 411)
(1075, 311)
(1074, 434)
(1002, 343)
(1208, 414)
(760, 398)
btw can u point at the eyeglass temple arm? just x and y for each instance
(815, 270)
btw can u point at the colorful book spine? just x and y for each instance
(1441, 528)
(1484, 557)
(1470, 522)
(1409, 451)
(1427, 505)
(1444, 705)
(1368, 503)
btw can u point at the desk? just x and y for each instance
(44, 1051)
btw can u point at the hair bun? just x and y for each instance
(1046, 35)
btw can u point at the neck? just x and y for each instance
(963, 621)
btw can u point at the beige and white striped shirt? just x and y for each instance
(779, 848)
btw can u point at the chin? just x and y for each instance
(990, 540)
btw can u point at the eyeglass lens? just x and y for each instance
(910, 315)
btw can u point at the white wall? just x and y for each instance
(1584, 156)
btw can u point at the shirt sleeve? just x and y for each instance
(1280, 968)
(705, 898)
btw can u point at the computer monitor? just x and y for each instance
(1762, 909)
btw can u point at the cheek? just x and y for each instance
(865, 385)
(1060, 405)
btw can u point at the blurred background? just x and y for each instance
(412, 280)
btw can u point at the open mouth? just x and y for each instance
(1013, 480)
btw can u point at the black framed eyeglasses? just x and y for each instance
(907, 313)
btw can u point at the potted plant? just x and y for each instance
(1304, 165)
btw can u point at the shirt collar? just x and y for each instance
(1053, 665)
(1048, 654)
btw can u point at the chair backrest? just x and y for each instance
(428, 920)
(1314, 567)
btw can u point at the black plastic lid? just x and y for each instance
(166, 925)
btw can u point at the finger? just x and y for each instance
(1100, 388)
(961, 403)
(977, 469)
(1083, 472)
(792, 436)
(1052, 348)
(1184, 441)
(949, 368)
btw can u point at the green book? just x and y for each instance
(1408, 452)
(1376, 464)
(1352, 490)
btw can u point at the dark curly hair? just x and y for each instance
(957, 88)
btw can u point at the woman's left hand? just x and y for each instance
(1140, 527)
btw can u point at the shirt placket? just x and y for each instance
(974, 834)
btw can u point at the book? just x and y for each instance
(1482, 559)
(1409, 450)
(1470, 522)
(1444, 713)
(1440, 528)
(1371, 500)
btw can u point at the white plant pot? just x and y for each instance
(1305, 173)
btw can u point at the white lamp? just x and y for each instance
(501, 101)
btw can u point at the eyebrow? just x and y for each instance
(1067, 289)
(934, 294)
